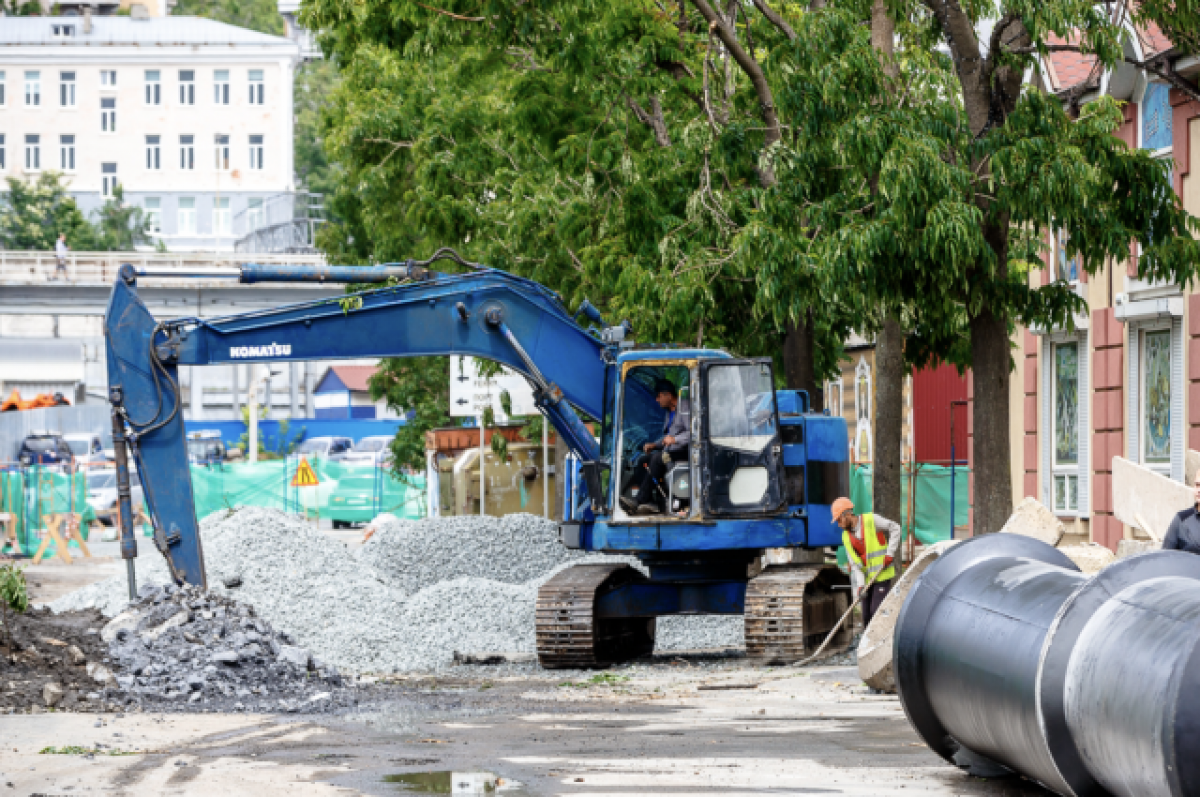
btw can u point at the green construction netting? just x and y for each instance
(930, 504)
(345, 492)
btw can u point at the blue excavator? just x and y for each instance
(743, 522)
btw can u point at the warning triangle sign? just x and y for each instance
(305, 476)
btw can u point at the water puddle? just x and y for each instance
(447, 782)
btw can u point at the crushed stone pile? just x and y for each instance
(514, 549)
(200, 651)
(415, 594)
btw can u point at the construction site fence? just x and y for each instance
(344, 491)
(29, 496)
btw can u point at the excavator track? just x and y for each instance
(791, 608)
(570, 636)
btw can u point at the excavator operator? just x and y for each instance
(671, 447)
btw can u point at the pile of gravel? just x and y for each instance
(513, 549)
(415, 594)
(189, 649)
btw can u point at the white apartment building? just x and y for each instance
(192, 118)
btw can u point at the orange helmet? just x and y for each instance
(840, 506)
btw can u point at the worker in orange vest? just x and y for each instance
(874, 540)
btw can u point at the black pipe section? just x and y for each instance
(1008, 659)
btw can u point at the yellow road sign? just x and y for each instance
(305, 476)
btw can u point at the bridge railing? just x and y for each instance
(32, 267)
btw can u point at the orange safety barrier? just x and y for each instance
(14, 402)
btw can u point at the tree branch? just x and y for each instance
(652, 119)
(750, 67)
(775, 19)
(396, 146)
(444, 13)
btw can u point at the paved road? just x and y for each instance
(656, 733)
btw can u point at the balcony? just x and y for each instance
(281, 224)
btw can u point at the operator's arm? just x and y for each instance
(681, 427)
(895, 534)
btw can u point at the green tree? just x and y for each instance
(315, 81)
(419, 387)
(14, 599)
(755, 178)
(260, 15)
(120, 227)
(34, 213)
(952, 174)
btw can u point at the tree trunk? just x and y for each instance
(992, 460)
(887, 470)
(799, 360)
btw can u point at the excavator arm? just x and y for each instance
(485, 313)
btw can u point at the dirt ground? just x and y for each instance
(671, 727)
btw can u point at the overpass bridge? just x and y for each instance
(29, 287)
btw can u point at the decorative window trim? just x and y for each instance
(1083, 421)
(1133, 393)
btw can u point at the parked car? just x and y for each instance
(45, 448)
(87, 448)
(205, 447)
(352, 501)
(102, 493)
(327, 447)
(369, 451)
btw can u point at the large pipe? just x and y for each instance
(1008, 658)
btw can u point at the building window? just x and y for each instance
(256, 152)
(3, 165)
(221, 151)
(1156, 117)
(3, 89)
(1155, 422)
(33, 89)
(152, 206)
(1066, 268)
(187, 215)
(66, 151)
(221, 87)
(33, 152)
(187, 153)
(153, 87)
(66, 89)
(108, 78)
(1065, 419)
(222, 220)
(153, 153)
(254, 213)
(108, 179)
(62, 31)
(187, 87)
(1066, 426)
(108, 114)
(257, 93)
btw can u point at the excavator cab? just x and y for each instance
(733, 454)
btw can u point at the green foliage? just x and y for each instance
(260, 15)
(34, 213)
(315, 81)
(120, 227)
(420, 387)
(14, 598)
